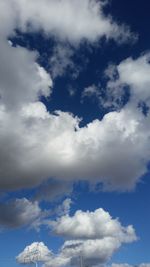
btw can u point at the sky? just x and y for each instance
(74, 133)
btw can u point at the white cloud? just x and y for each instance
(92, 225)
(37, 145)
(133, 73)
(64, 208)
(68, 20)
(36, 252)
(94, 235)
(18, 213)
(22, 80)
(42, 145)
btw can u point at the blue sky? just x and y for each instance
(74, 120)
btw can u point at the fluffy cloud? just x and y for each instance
(22, 80)
(36, 252)
(132, 73)
(135, 73)
(41, 145)
(37, 145)
(68, 20)
(92, 225)
(18, 213)
(94, 235)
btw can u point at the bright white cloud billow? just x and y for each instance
(68, 20)
(92, 225)
(94, 235)
(43, 145)
(22, 80)
(36, 252)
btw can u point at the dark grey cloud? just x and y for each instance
(53, 190)
(18, 213)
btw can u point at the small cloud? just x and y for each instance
(36, 252)
(18, 213)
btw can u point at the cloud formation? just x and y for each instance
(73, 21)
(19, 212)
(93, 235)
(36, 252)
(37, 145)
(42, 145)
(92, 225)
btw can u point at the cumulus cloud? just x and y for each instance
(42, 145)
(131, 73)
(135, 73)
(67, 20)
(19, 212)
(22, 80)
(36, 252)
(37, 145)
(93, 235)
(92, 225)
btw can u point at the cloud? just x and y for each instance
(90, 91)
(73, 21)
(37, 145)
(130, 265)
(109, 97)
(19, 212)
(36, 252)
(95, 236)
(132, 73)
(135, 73)
(42, 145)
(83, 225)
(22, 80)
(53, 190)
(61, 61)
(64, 208)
